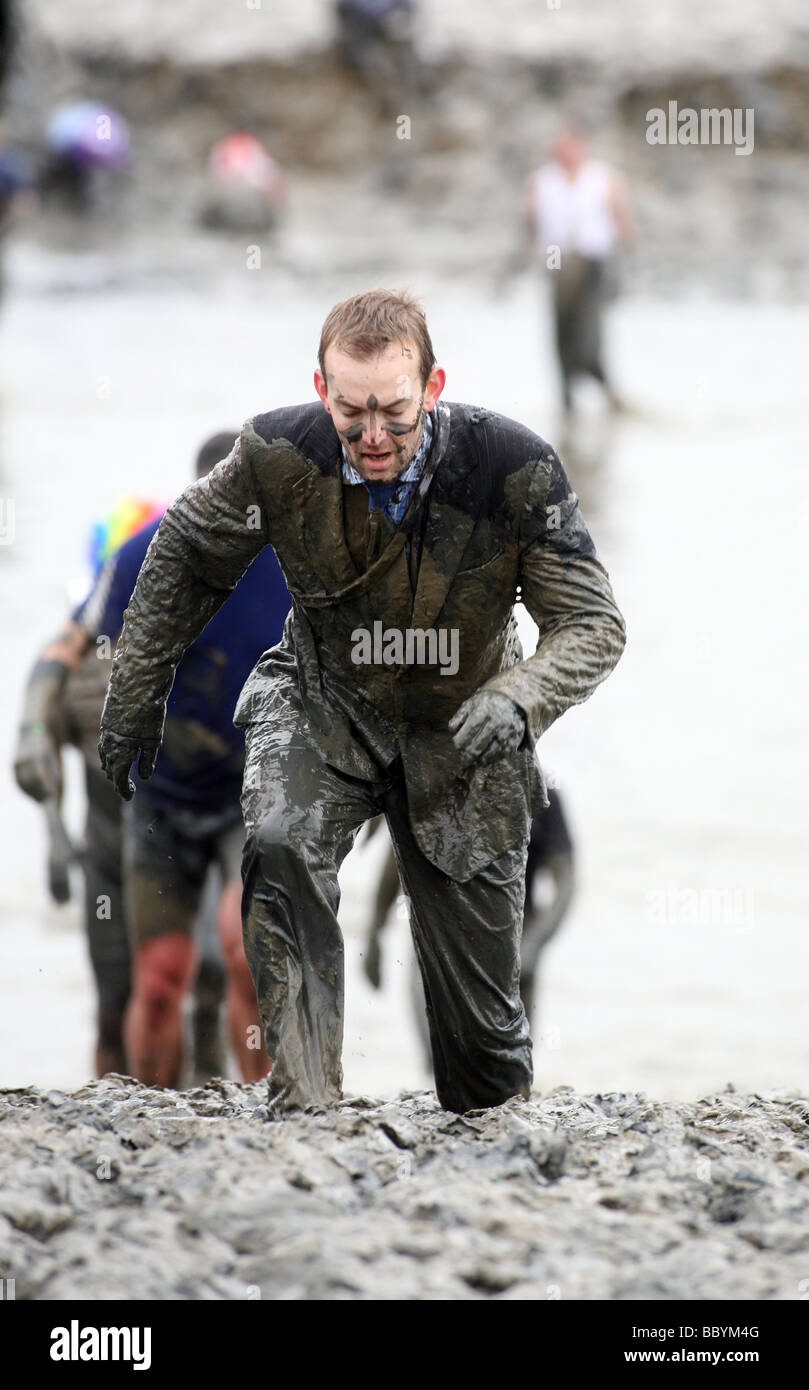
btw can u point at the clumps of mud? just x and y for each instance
(121, 1191)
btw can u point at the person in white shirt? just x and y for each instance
(576, 215)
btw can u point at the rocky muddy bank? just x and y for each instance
(121, 1191)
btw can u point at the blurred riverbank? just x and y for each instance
(501, 80)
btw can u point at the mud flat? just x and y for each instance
(122, 1191)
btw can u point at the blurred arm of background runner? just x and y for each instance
(36, 759)
(620, 210)
(36, 762)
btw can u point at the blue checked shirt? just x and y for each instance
(394, 498)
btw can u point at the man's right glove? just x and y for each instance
(117, 754)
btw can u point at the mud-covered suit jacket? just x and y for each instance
(494, 521)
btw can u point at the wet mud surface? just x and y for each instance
(121, 1191)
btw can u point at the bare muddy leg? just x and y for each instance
(162, 972)
(164, 874)
(244, 1023)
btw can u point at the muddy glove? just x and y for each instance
(36, 762)
(487, 726)
(36, 758)
(118, 752)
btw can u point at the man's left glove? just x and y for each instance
(117, 754)
(487, 726)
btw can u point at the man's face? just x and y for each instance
(378, 405)
(569, 151)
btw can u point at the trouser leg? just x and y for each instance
(105, 920)
(467, 940)
(589, 322)
(565, 369)
(301, 817)
(109, 956)
(566, 285)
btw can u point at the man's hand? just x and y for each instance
(487, 726)
(117, 754)
(36, 762)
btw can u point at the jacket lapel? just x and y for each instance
(312, 505)
(451, 519)
(317, 502)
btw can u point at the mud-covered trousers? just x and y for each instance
(301, 817)
(104, 914)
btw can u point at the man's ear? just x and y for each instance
(321, 388)
(433, 387)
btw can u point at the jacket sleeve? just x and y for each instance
(567, 591)
(204, 544)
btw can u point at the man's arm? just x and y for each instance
(36, 757)
(204, 544)
(36, 763)
(567, 591)
(620, 211)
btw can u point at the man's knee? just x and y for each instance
(270, 840)
(162, 973)
(277, 857)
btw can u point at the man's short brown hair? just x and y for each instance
(365, 324)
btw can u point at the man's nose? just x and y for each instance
(373, 431)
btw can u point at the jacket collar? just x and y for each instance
(317, 502)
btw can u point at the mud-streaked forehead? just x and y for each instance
(392, 375)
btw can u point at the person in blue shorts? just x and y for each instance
(190, 820)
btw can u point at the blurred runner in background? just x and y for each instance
(17, 181)
(575, 215)
(549, 886)
(8, 36)
(376, 41)
(65, 710)
(246, 187)
(191, 820)
(17, 196)
(87, 145)
(74, 720)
